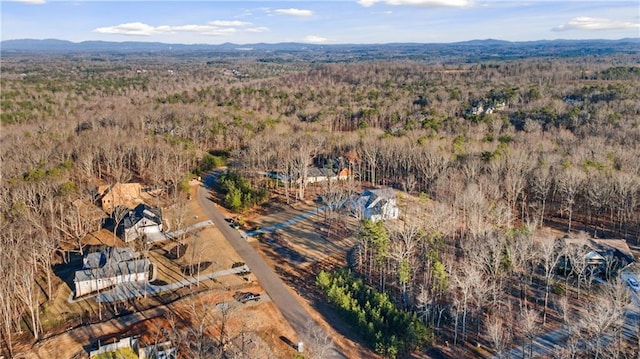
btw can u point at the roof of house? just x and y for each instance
(594, 256)
(131, 189)
(320, 172)
(377, 197)
(141, 211)
(120, 194)
(279, 176)
(603, 247)
(111, 262)
(111, 254)
(617, 247)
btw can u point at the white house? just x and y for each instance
(140, 221)
(376, 205)
(110, 267)
(163, 350)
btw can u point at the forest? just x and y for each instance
(500, 152)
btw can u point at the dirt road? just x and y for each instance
(295, 314)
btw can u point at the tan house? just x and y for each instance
(120, 194)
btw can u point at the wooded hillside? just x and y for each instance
(498, 149)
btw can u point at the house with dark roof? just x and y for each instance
(140, 222)
(316, 175)
(110, 267)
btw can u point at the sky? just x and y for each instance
(318, 22)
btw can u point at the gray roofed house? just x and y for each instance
(140, 221)
(315, 175)
(110, 267)
(376, 205)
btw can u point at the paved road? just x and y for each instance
(163, 236)
(293, 312)
(544, 344)
(176, 234)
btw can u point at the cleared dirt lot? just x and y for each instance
(298, 252)
(305, 241)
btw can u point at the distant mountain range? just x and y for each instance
(473, 48)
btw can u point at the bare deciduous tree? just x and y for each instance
(529, 321)
(498, 334)
(568, 182)
(549, 255)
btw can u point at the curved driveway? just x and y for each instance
(293, 312)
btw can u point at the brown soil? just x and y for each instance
(308, 239)
(262, 319)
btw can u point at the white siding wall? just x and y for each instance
(93, 285)
(143, 226)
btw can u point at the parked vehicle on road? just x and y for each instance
(633, 283)
(233, 223)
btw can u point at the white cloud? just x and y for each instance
(213, 28)
(132, 28)
(424, 3)
(313, 39)
(257, 29)
(590, 23)
(244, 14)
(294, 12)
(228, 23)
(34, 2)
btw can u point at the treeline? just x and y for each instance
(388, 330)
(497, 289)
(238, 193)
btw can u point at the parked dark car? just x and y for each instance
(244, 297)
(233, 223)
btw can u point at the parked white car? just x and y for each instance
(633, 283)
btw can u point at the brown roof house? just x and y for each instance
(110, 267)
(120, 194)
